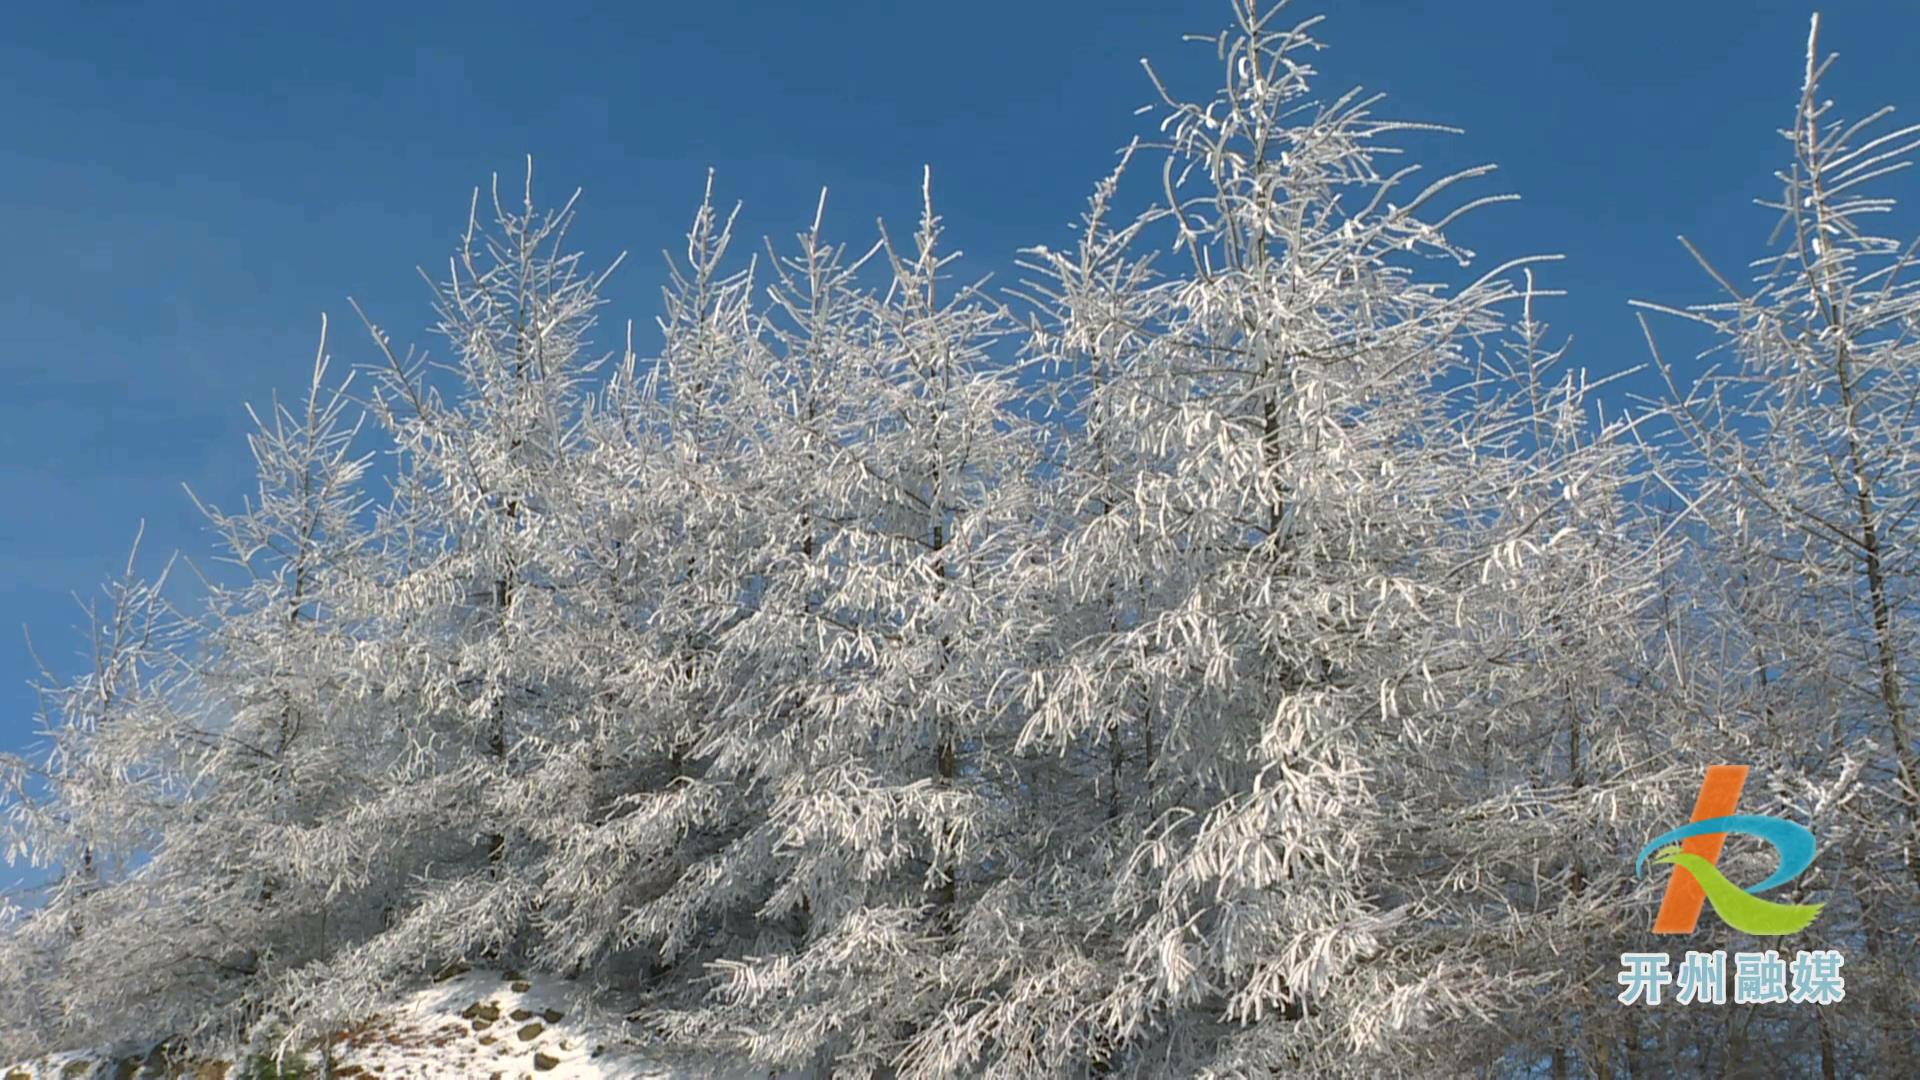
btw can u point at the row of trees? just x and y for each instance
(1247, 648)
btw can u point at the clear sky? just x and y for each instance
(186, 187)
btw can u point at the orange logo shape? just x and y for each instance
(1719, 795)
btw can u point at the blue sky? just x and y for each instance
(187, 187)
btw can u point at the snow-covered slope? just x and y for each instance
(485, 1025)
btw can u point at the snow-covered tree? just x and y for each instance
(212, 779)
(88, 810)
(873, 667)
(1338, 570)
(1799, 458)
(463, 638)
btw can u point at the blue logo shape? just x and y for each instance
(1792, 842)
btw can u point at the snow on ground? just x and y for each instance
(485, 1023)
(481, 1025)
